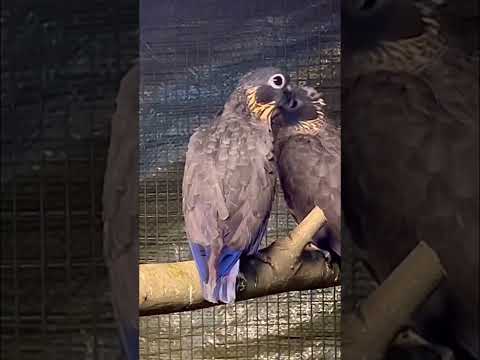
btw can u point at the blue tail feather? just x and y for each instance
(228, 258)
(201, 255)
(226, 272)
(130, 341)
(227, 285)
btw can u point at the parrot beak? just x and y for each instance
(285, 101)
(268, 105)
(288, 101)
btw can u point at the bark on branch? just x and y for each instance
(172, 287)
(368, 331)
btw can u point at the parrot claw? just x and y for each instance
(326, 254)
(241, 284)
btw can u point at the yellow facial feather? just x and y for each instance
(313, 126)
(263, 112)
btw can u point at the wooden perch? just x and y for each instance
(368, 332)
(172, 287)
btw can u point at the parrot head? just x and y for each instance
(264, 92)
(302, 114)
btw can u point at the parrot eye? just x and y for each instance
(277, 81)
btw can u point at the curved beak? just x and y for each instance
(288, 100)
(272, 103)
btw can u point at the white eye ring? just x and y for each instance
(277, 81)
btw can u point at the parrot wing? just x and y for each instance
(228, 194)
(310, 174)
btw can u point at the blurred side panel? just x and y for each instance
(61, 67)
(410, 159)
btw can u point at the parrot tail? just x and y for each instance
(218, 273)
(224, 288)
(130, 341)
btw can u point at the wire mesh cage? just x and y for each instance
(60, 72)
(191, 58)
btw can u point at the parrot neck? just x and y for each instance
(236, 104)
(285, 129)
(309, 128)
(263, 112)
(321, 127)
(409, 55)
(242, 105)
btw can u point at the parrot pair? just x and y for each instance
(267, 127)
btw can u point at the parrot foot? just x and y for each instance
(241, 283)
(326, 254)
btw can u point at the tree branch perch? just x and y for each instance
(173, 287)
(368, 331)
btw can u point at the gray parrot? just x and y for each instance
(410, 156)
(229, 181)
(307, 152)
